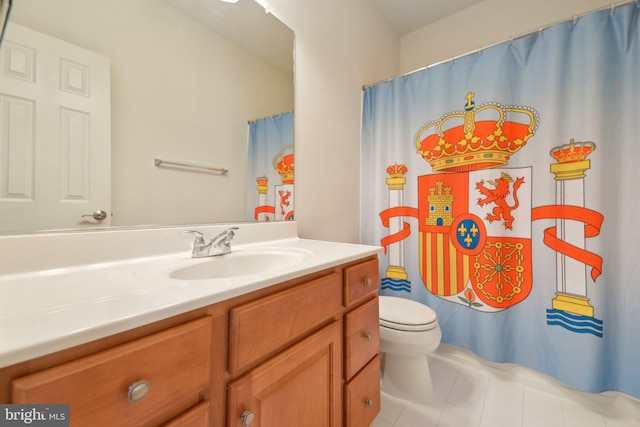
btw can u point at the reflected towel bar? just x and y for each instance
(222, 171)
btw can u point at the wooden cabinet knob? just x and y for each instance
(138, 390)
(247, 417)
(368, 336)
(368, 402)
(367, 281)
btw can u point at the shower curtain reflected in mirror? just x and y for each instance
(270, 182)
(502, 186)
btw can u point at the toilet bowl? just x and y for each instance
(409, 332)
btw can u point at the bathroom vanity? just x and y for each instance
(296, 345)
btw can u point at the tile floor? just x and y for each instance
(472, 392)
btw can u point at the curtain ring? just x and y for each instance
(613, 8)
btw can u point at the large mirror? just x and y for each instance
(116, 97)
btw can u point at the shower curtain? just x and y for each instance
(270, 172)
(503, 187)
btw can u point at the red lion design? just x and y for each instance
(498, 196)
(284, 200)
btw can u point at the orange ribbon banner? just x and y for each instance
(387, 214)
(592, 221)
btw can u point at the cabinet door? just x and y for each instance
(299, 387)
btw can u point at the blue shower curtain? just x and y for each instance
(503, 187)
(270, 180)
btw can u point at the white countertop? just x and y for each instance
(47, 310)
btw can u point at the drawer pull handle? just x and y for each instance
(247, 417)
(368, 402)
(367, 281)
(368, 336)
(138, 390)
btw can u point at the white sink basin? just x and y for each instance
(240, 263)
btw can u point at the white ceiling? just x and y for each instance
(406, 16)
(246, 23)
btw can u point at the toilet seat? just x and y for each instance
(406, 315)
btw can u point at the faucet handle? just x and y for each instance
(199, 235)
(230, 231)
(228, 235)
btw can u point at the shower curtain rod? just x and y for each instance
(611, 7)
(269, 117)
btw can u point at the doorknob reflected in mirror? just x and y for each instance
(98, 215)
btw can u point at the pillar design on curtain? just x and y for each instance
(510, 197)
(270, 188)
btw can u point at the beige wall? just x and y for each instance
(340, 45)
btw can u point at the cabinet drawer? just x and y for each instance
(360, 281)
(260, 327)
(361, 336)
(197, 416)
(362, 396)
(175, 363)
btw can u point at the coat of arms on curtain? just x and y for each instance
(270, 169)
(475, 214)
(282, 208)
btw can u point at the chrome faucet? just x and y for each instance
(219, 245)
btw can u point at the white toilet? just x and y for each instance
(409, 332)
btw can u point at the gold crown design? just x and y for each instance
(572, 152)
(284, 165)
(397, 171)
(263, 184)
(485, 136)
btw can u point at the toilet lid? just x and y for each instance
(406, 314)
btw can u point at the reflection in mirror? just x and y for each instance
(5, 9)
(92, 92)
(271, 168)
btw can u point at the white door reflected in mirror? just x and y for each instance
(55, 112)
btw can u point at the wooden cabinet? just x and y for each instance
(361, 337)
(260, 327)
(300, 353)
(145, 382)
(361, 344)
(298, 387)
(362, 395)
(198, 416)
(360, 282)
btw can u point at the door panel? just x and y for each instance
(299, 387)
(55, 133)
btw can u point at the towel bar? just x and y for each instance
(222, 171)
